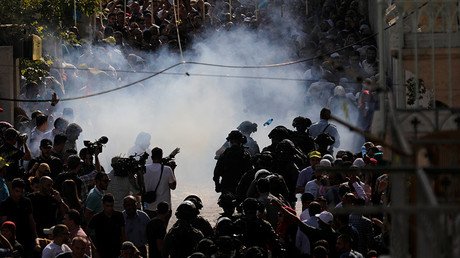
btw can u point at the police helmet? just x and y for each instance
(250, 206)
(196, 200)
(186, 211)
(226, 199)
(280, 132)
(286, 146)
(301, 122)
(247, 127)
(237, 135)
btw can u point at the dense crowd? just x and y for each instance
(58, 201)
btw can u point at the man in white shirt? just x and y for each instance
(60, 238)
(159, 175)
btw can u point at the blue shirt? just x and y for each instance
(94, 200)
(135, 227)
(4, 193)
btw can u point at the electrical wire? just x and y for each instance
(97, 93)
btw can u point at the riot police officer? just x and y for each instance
(232, 164)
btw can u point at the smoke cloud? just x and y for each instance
(193, 107)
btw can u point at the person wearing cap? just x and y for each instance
(8, 231)
(324, 231)
(45, 156)
(12, 153)
(59, 244)
(307, 173)
(232, 164)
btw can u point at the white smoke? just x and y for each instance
(187, 108)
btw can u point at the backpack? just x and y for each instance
(324, 138)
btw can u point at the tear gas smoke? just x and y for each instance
(181, 109)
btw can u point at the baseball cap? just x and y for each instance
(48, 231)
(46, 143)
(3, 163)
(325, 163)
(314, 154)
(325, 217)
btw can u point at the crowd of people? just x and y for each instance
(58, 201)
(60, 204)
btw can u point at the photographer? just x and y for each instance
(122, 181)
(325, 134)
(159, 174)
(11, 151)
(89, 169)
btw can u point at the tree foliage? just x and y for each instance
(54, 14)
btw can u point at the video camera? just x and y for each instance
(170, 159)
(96, 145)
(123, 167)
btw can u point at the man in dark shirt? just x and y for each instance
(18, 209)
(55, 164)
(58, 150)
(47, 204)
(156, 229)
(182, 238)
(108, 229)
(73, 167)
(232, 164)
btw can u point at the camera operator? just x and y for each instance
(11, 151)
(122, 181)
(166, 181)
